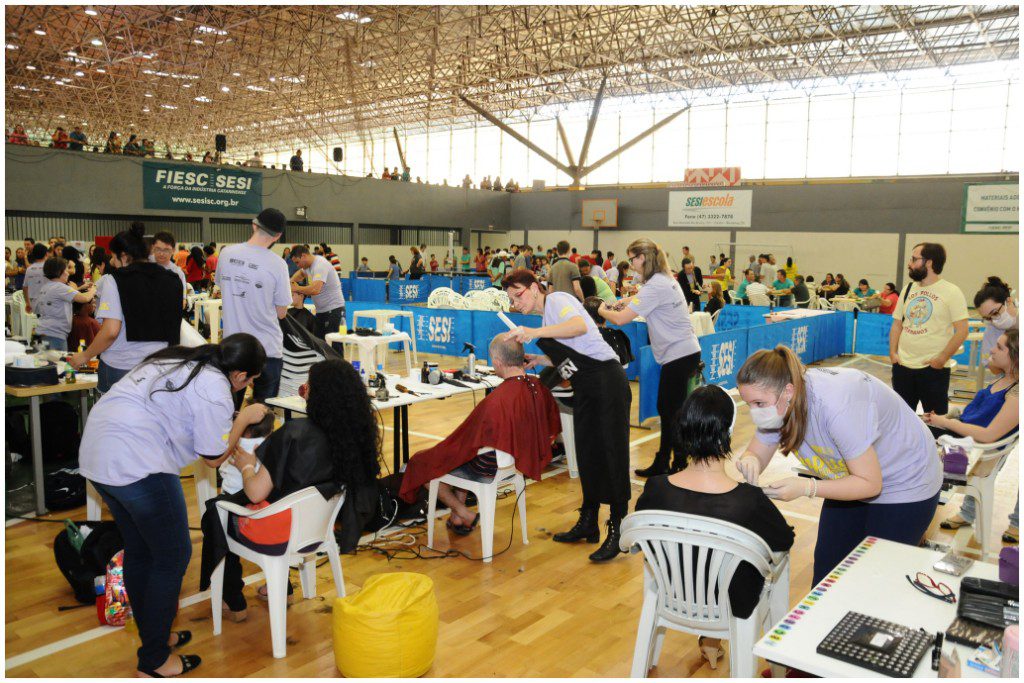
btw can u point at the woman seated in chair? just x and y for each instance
(703, 427)
(323, 450)
(991, 416)
(715, 299)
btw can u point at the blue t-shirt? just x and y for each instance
(783, 284)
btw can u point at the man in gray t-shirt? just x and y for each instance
(565, 275)
(256, 293)
(324, 286)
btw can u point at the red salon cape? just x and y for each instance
(519, 417)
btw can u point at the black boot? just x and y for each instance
(659, 466)
(585, 528)
(609, 550)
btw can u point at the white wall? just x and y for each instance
(581, 238)
(970, 259)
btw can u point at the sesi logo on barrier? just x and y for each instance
(435, 328)
(409, 291)
(798, 342)
(723, 360)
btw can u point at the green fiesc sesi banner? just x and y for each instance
(187, 187)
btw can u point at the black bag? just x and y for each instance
(390, 508)
(59, 426)
(64, 489)
(81, 568)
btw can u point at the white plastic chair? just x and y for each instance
(487, 499)
(987, 460)
(312, 531)
(676, 597)
(714, 317)
(845, 305)
(568, 433)
(22, 322)
(824, 304)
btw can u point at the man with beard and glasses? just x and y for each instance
(929, 325)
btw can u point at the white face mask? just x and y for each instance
(767, 418)
(1004, 321)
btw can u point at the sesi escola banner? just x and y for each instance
(187, 187)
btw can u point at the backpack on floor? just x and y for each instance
(64, 489)
(81, 560)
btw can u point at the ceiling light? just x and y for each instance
(62, 116)
(118, 37)
(235, 73)
(145, 110)
(96, 42)
(225, 88)
(72, 53)
(91, 12)
(272, 79)
(210, 29)
(149, 94)
(30, 67)
(347, 16)
(101, 71)
(168, 106)
(12, 46)
(206, 128)
(40, 31)
(186, 85)
(198, 42)
(79, 73)
(365, 20)
(202, 98)
(179, 18)
(368, 63)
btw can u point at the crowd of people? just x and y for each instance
(877, 470)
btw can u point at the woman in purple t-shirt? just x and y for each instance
(876, 464)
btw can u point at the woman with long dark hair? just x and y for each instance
(139, 307)
(320, 450)
(74, 259)
(573, 345)
(176, 407)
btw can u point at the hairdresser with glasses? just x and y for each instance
(878, 468)
(174, 407)
(139, 310)
(998, 308)
(676, 350)
(573, 345)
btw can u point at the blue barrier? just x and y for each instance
(723, 353)
(346, 288)
(408, 291)
(440, 330)
(873, 335)
(365, 289)
(468, 283)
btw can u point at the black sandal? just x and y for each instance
(183, 638)
(188, 663)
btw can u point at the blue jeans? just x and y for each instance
(844, 524)
(153, 521)
(107, 376)
(56, 343)
(968, 511)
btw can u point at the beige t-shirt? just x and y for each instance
(928, 324)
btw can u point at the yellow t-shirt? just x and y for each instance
(928, 324)
(791, 271)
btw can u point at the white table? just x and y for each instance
(794, 314)
(399, 403)
(371, 346)
(870, 581)
(702, 324)
(382, 317)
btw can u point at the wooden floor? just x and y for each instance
(538, 610)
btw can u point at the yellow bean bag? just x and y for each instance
(387, 629)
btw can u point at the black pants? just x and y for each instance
(927, 385)
(328, 321)
(673, 385)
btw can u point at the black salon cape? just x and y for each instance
(296, 456)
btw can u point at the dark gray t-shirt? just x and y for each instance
(563, 273)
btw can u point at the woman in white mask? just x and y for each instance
(875, 460)
(995, 305)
